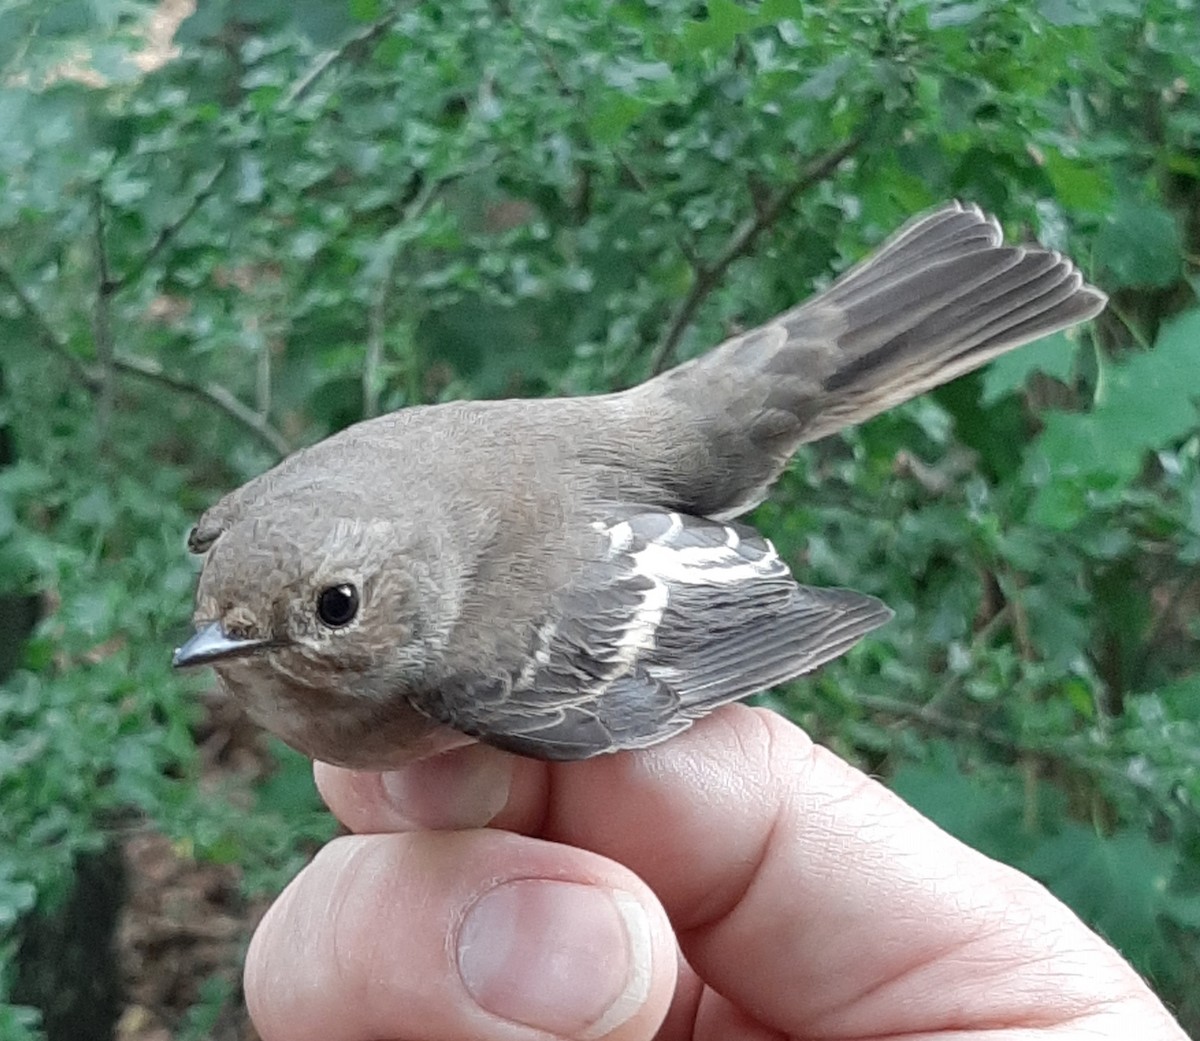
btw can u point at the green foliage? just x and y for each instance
(1145, 404)
(317, 211)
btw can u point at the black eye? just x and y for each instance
(337, 605)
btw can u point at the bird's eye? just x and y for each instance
(337, 605)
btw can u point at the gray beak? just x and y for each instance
(210, 644)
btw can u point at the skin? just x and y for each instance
(760, 887)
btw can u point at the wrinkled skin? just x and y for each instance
(776, 893)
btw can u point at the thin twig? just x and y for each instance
(1021, 629)
(1131, 327)
(102, 327)
(546, 56)
(1163, 616)
(327, 59)
(90, 378)
(417, 207)
(15, 66)
(169, 231)
(741, 242)
(951, 684)
(957, 727)
(372, 382)
(214, 393)
(933, 719)
(48, 335)
(262, 374)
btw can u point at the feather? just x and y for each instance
(941, 297)
(676, 616)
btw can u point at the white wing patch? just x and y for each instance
(668, 617)
(541, 653)
(647, 617)
(678, 555)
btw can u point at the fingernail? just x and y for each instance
(566, 958)
(465, 788)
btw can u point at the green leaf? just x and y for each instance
(1140, 246)
(1151, 399)
(951, 15)
(16, 898)
(366, 10)
(1118, 883)
(20, 1023)
(723, 23)
(289, 790)
(1053, 355)
(984, 812)
(1143, 403)
(1078, 183)
(1069, 12)
(614, 114)
(823, 84)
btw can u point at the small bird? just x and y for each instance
(564, 577)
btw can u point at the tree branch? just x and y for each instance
(102, 327)
(416, 208)
(97, 379)
(372, 382)
(957, 727)
(741, 242)
(91, 378)
(685, 244)
(48, 335)
(360, 41)
(208, 186)
(168, 231)
(212, 392)
(262, 377)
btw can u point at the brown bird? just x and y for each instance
(562, 577)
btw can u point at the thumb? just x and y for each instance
(440, 936)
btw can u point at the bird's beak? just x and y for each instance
(209, 644)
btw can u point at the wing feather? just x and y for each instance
(676, 616)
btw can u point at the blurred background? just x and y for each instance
(228, 229)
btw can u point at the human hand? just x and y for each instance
(736, 882)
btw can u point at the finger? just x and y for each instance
(465, 788)
(802, 889)
(476, 934)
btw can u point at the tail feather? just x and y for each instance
(961, 322)
(945, 234)
(930, 294)
(940, 298)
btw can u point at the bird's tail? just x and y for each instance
(939, 298)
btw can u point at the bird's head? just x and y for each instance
(317, 628)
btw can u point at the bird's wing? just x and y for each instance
(677, 616)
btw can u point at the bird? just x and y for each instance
(567, 577)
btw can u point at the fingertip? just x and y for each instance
(441, 935)
(576, 960)
(279, 981)
(470, 787)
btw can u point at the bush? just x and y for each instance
(315, 212)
